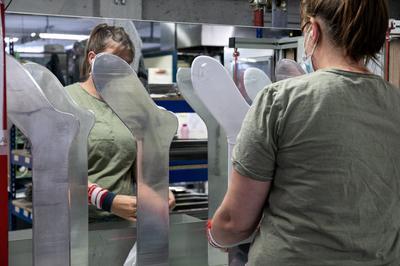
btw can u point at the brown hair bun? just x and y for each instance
(357, 26)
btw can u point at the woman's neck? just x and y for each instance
(328, 56)
(343, 64)
(88, 86)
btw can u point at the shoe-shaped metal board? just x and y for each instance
(255, 80)
(154, 129)
(51, 133)
(78, 160)
(217, 149)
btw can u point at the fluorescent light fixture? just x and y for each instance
(58, 36)
(9, 39)
(32, 55)
(29, 49)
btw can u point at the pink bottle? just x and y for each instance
(184, 131)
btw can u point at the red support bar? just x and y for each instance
(3, 30)
(3, 155)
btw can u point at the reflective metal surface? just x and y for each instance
(78, 161)
(51, 133)
(195, 35)
(255, 80)
(217, 151)
(153, 129)
(110, 242)
(287, 68)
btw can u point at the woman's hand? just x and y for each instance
(125, 207)
(171, 200)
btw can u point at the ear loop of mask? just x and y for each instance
(305, 42)
(307, 59)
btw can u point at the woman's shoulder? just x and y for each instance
(291, 87)
(310, 87)
(75, 91)
(322, 82)
(75, 87)
(307, 81)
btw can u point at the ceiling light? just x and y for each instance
(58, 36)
(29, 49)
(11, 39)
(33, 34)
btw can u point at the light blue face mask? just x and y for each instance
(307, 63)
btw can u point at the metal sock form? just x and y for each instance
(153, 129)
(51, 133)
(78, 161)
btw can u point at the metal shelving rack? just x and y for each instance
(18, 208)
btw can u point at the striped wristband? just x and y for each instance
(100, 197)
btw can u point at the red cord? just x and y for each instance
(235, 67)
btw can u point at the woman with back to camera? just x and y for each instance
(317, 162)
(111, 145)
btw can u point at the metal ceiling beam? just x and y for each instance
(231, 12)
(93, 8)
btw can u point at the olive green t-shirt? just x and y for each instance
(330, 144)
(111, 149)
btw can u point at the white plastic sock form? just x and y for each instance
(255, 80)
(287, 68)
(78, 161)
(153, 129)
(216, 89)
(217, 149)
(51, 133)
